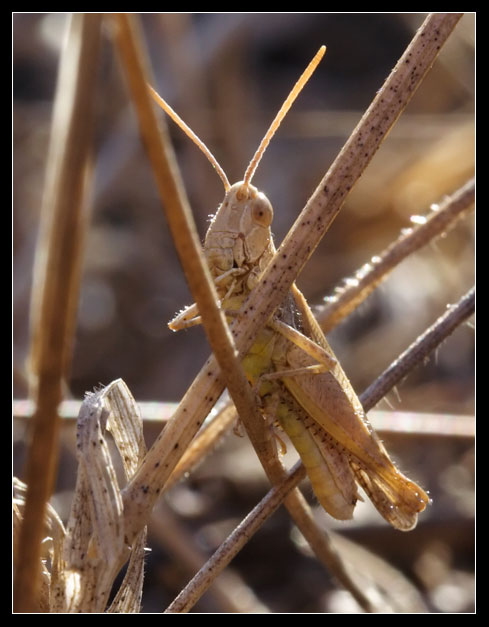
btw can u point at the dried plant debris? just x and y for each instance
(80, 561)
(53, 533)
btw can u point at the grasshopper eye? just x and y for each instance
(262, 212)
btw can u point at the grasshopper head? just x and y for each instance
(239, 234)
(238, 242)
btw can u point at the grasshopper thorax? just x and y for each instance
(239, 236)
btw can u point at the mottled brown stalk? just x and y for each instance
(56, 283)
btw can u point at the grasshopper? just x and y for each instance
(299, 383)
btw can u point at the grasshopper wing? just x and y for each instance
(329, 399)
(398, 500)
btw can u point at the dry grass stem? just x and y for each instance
(56, 283)
(151, 411)
(420, 349)
(52, 537)
(442, 217)
(420, 423)
(229, 591)
(202, 580)
(180, 221)
(408, 422)
(320, 543)
(204, 442)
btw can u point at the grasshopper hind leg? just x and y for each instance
(327, 466)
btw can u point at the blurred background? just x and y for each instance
(227, 75)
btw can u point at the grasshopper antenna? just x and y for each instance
(296, 90)
(188, 131)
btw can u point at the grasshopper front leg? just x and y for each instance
(189, 316)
